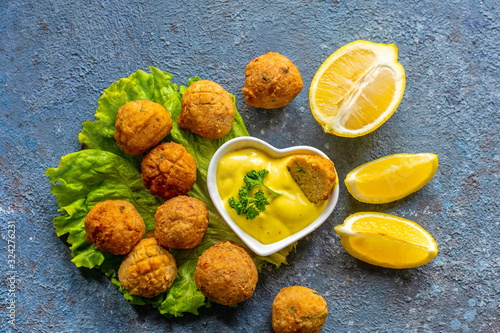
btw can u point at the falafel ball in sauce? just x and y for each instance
(315, 176)
(141, 125)
(298, 309)
(114, 226)
(181, 222)
(207, 110)
(148, 270)
(226, 273)
(271, 81)
(168, 170)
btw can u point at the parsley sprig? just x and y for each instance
(250, 206)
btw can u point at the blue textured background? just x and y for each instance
(57, 56)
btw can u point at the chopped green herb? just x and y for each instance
(250, 206)
(300, 169)
(284, 69)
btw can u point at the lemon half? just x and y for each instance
(357, 88)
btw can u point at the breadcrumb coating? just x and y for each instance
(207, 110)
(181, 222)
(114, 226)
(271, 81)
(226, 273)
(168, 170)
(141, 125)
(298, 309)
(148, 270)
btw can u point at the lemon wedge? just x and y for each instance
(357, 88)
(386, 240)
(391, 178)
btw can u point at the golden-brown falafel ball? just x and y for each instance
(298, 309)
(181, 222)
(226, 273)
(114, 226)
(207, 110)
(168, 170)
(148, 270)
(315, 175)
(141, 125)
(271, 81)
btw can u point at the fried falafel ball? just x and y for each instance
(315, 176)
(271, 81)
(226, 273)
(168, 170)
(114, 226)
(181, 222)
(298, 309)
(141, 125)
(148, 270)
(207, 110)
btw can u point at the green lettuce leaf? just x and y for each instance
(85, 178)
(104, 172)
(140, 85)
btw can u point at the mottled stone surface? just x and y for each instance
(57, 56)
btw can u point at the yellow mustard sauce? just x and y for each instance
(286, 214)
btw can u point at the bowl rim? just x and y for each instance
(252, 142)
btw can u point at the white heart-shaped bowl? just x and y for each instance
(251, 142)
